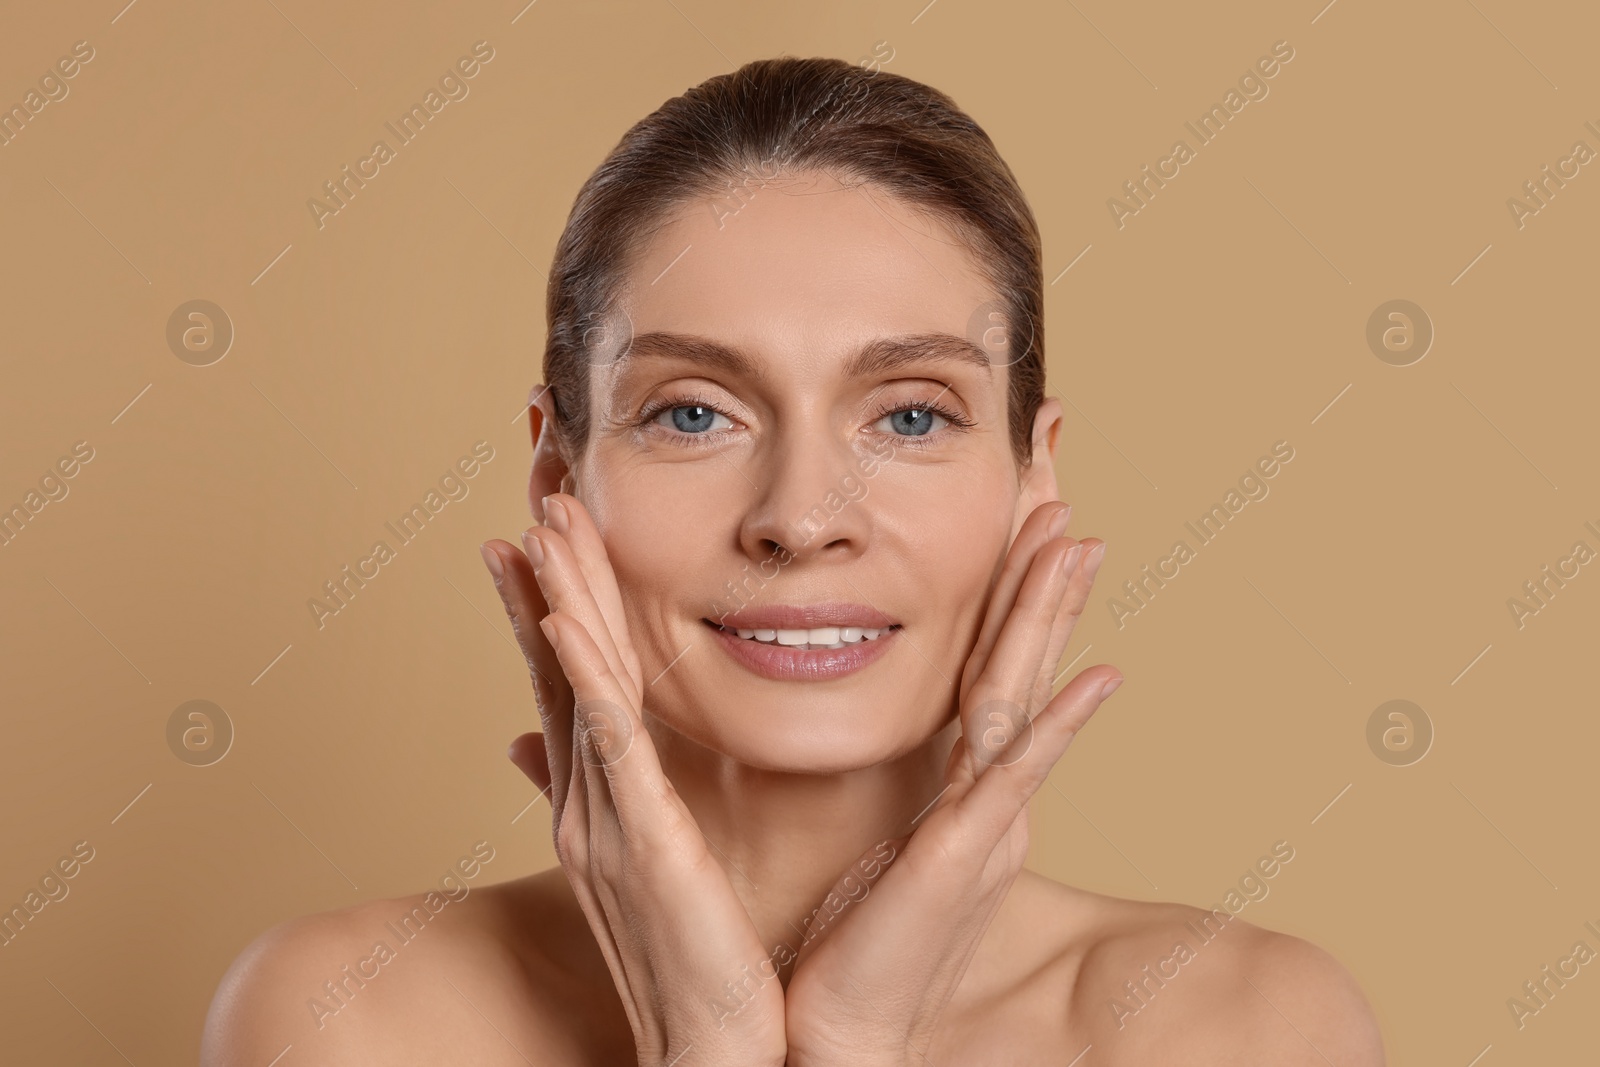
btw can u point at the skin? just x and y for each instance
(702, 813)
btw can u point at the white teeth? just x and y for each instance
(820, 637)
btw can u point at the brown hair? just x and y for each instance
(794, 114)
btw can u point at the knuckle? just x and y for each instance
(947, 844)
(675, 841)
(1041, 609)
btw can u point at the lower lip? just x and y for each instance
(785, 663)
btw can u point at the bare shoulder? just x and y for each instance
(1156, 978)
(425, 978)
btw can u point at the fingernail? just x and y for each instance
(555, 516)
(534, 548)
(492, 560)
(551, 634)
(1058, 525)
(1071, 559)
(1091, 566)
(1110, 687)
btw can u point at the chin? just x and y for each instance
(793, 727)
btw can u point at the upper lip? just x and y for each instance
(805, 617)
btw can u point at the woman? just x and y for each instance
(793, 619)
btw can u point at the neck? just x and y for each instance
(785, 839)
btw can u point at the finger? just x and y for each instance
(525, 607)
(1072, 604)
(566, 590)
(1005, 685)
(623, 775)
(528, 753)
(989, 807)
(567, 516)
(1046, 522)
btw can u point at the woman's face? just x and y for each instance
(801, 437)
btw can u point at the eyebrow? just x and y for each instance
(876, 357)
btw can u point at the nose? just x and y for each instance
(808, 504)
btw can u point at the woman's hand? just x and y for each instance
(870, 985)
(662, 910)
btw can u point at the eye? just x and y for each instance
(918, 420)
(694, 419)
(913, 421)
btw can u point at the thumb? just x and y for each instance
(528, 753)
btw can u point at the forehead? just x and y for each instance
(802, 270)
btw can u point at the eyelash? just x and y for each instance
(957, 421)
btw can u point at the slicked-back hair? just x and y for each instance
(789, 115)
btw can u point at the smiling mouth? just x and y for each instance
(818, 638)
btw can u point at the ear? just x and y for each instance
(1039, 480)
(550, 471)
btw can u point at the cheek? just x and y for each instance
(643, 532)
(954, 555)
(667, 545)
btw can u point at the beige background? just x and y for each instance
(371, 354)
